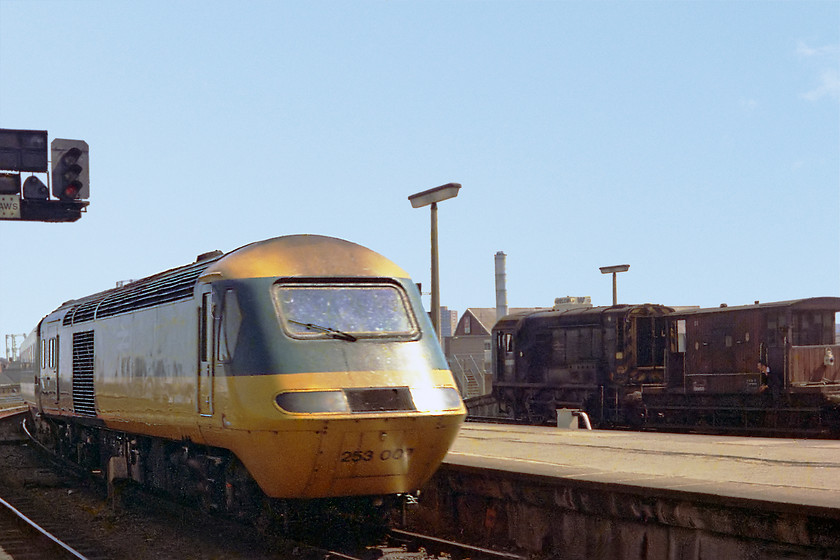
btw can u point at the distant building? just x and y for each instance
(468, 350)
(448, 321)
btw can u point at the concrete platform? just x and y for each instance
(612, 494)
(797, 472)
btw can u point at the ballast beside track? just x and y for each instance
(78, 512)
(138, 524)
(21, 537)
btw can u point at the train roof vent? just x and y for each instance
(167, 287)
(85, 311)
(172, 285)
(68, 317)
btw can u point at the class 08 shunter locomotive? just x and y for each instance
(766, 368)
(299, 367)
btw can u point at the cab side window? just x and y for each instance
(229, 324)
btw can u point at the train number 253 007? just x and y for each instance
(370, 455)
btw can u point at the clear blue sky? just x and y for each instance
(698, 142)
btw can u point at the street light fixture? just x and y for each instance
(614, 270)
(425, 198)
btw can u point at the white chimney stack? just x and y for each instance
(501, 288)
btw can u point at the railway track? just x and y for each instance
(146, 525)
(23, 538)
(29, 526)
(451, 549)
(325, 541)
(406, 545)
(77, 512)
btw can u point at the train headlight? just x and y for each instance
(389, 399)
(313, 401)
(435, 398)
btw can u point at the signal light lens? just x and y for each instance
(70, 159)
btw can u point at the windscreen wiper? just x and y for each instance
(334, 333)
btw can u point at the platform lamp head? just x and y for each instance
(614, 270)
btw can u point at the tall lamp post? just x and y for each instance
(614, 270)
(425, 198)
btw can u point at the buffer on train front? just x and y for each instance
(25, 151)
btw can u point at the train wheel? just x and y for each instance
(243, 498)
(535, 413)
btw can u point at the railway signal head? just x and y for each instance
(70, 173)
(33, 189)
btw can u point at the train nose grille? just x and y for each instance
(381, 399)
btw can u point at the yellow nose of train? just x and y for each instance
(317, 453)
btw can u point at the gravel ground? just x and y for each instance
(139, 526)
(132, 530)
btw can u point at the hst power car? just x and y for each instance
(297, 367)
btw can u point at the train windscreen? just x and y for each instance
(344, 311)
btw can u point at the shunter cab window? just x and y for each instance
(504, 355)
(811, 328)
(344, 310)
